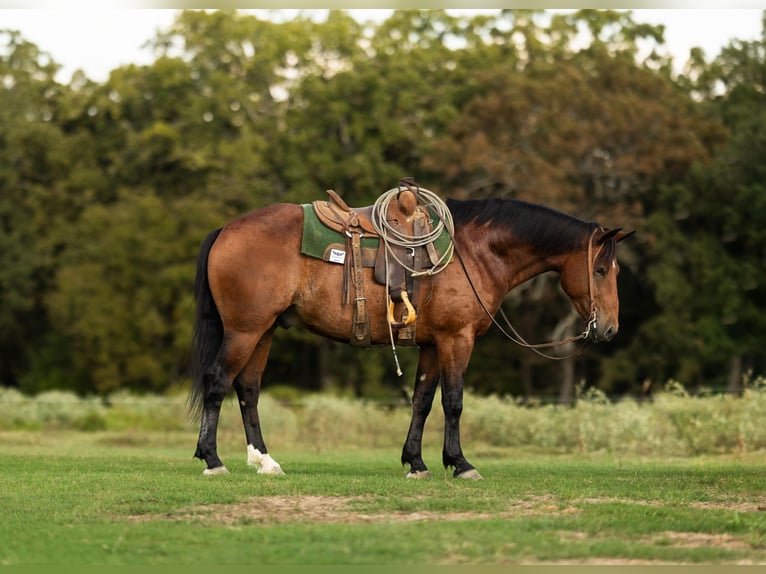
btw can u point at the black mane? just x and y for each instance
(549, 230)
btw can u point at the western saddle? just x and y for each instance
(396, 265)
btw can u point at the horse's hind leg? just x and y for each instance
(248, 388)
(231, 357)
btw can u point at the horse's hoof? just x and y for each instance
(264, 462)
(274, 469)
(471, 474)
(216, 470)
(418, 474)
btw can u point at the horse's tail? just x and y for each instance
(208, 328)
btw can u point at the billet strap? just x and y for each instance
(360, 330)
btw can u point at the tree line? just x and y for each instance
(108, 188)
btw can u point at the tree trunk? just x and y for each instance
(564, 330)
(735, 375)
(327, 378)
(566, 392)
(526, 377)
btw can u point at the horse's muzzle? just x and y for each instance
(607, 334)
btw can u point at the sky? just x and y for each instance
(100, 40)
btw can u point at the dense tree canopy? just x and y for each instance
(107, 189)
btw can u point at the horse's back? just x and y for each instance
(260, 238)
(277, 219)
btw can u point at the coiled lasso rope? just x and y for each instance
(394, 237)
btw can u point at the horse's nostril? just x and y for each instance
(609, 333)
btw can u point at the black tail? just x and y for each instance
(208, 328)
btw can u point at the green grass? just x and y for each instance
(136, 497)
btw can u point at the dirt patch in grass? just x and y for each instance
(699, 540)
(754, 505)
(307, 509)
(317, 509)
(269, 510)
(676, 539)
(758, 505)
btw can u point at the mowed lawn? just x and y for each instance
(138, 498)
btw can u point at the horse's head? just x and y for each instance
(589, 278)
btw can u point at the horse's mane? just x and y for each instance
(549, 230)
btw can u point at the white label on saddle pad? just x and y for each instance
(337, 256)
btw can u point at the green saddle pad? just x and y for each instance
(321, 242)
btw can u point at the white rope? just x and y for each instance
(394, 237)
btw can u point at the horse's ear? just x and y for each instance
(623, 235)
(617, 233)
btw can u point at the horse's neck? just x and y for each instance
(529, 264)
(503, 263)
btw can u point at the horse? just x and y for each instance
(253, 279)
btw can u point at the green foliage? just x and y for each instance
(706, 263)
(125, 286)
(35, 163)
(107, 189)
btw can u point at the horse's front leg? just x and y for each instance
(453, 358)
(248, 388)
(426, 380)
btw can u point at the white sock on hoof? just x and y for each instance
(264, 462)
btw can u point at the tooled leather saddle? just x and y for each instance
(394, 264)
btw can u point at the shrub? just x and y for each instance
(675, 423)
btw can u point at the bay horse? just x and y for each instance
(252, 278)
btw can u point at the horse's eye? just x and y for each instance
(600, 271)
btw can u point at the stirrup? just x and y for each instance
(411, 313)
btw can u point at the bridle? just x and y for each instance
(514, 336)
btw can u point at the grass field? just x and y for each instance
(136, 497)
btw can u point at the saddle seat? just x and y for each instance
(338, 216)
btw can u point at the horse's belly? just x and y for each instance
(324, 308)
